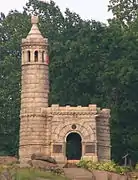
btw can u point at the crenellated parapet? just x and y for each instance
(55, 109)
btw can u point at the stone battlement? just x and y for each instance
(57, 107)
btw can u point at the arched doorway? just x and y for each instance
(73, 146)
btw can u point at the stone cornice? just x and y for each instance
(31, 144)
(32, 63)
(71, 113)
(63, 113)
(27, 44)
(32, 115)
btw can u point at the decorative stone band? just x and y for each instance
(72, 113)
(44, 113)
(27, 44)
(32, 63)
(28, 144)
(33, 115)
(34, 46)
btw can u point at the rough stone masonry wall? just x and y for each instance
(34, 96)
(35, 87)
(103, 135)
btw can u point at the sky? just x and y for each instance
(87, 9)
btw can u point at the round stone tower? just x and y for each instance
(34, 93)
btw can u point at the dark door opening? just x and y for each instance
(73, 147)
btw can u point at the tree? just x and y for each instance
(124, 10)
(12, 29)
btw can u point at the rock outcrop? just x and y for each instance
(46, 163)
(42, 157)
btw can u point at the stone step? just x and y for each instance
(78, 174)
(70, 165)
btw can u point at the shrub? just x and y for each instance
(103, 166)
(136, 167)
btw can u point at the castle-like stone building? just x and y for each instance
(65, 133)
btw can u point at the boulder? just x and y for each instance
(42, 157)
(41, 164)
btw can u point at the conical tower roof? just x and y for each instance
(34, 37)
(34, 32)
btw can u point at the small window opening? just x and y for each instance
(36, 56)
(43, 56)
(23, 54)
(28, 56)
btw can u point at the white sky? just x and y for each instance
(87, 9)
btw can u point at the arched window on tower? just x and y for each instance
(43, 56)
(36, 56)
(28, 56)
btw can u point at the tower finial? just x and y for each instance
(34, 20)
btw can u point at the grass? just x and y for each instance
(31, 174)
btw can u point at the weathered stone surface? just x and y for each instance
(42, 164)
(82, 174)
(42, 157)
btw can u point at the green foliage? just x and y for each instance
(103, 166)
(136, 167)
(124, 10)
(10, 58)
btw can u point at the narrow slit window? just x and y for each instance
(23, 55)
(36, 56)
(43, 56)
(28, 56)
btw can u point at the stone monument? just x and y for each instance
(65, 133)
